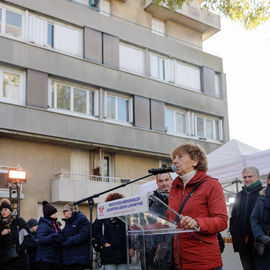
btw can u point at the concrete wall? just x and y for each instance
(132, 167)
(41, 162)
(184, 33)
(60, 126)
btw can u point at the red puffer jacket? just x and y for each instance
(207, 205)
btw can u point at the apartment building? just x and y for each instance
(95, 93)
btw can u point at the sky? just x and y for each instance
(246, 62)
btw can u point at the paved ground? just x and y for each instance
(230, 259)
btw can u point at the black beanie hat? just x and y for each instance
(6, 205)
(32, 222)
(48, 209)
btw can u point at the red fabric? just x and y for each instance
(207, 205)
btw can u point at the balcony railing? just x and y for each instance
(93, 178)
(66, 187)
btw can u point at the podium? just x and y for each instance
(147, 228)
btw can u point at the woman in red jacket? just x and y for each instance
(205, 211)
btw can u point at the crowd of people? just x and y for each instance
(197, 198)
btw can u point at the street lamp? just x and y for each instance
(15, 179)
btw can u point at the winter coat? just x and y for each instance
(32, 252)
(76, 241)
(199, 250)
(240, 228)
(114, 234)
(259, 228)
(20, 263)
(49, 242)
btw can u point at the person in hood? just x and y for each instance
(240, 226)
(14, 238)
(76, 239)
(32, 251)
(49, 239)
(204, 213)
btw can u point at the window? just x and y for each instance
(105, 7)
(161, 67)
(131, 58)
(158, 27)
(118, 107)
(108, 166)
(218, 90)
(188, 76)
(55, 35)
(11, 22)
(12, 86)
(175, 122)
(78, 100)
(208, 128)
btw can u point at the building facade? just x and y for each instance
(95, 93)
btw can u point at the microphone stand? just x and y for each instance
(90, 201)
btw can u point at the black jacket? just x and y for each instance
(7, 241)
(114, 234)
(240, 227)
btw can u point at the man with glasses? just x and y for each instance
(240, 226)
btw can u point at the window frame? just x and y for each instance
(175, 111)
(90, 91)
(125, 68)
(22, 86)
(183, 85)
(216, 125)
(158, 22)
(3, 32)
(129, 100)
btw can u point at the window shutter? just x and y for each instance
(37, 30)
(68, 40)
(188, 124)
(130, 113)
(96, 103)
(153, 66)
(193, 124)
(105, 104)
(220, 129)
(168, 70)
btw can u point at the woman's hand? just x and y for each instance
(5, 231)
(107, 245)
(188, 223)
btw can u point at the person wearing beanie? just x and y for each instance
(75, 239)
(49, 239)
(32, 251)
(15, 238)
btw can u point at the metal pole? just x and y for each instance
(91, 206)
(18, 198)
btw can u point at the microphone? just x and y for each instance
(163, 169)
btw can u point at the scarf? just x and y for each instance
(252, 186)
(8, 220)
(266, 212)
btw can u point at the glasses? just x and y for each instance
(64, 211)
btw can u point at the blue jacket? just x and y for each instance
(49, 242)
(259, 228)
(76, 240)
(114, 234)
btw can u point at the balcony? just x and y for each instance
(68, 187)
(191, 15)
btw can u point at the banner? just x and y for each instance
(123, 207)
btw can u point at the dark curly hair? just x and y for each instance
(195, 152)
(114, 196)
